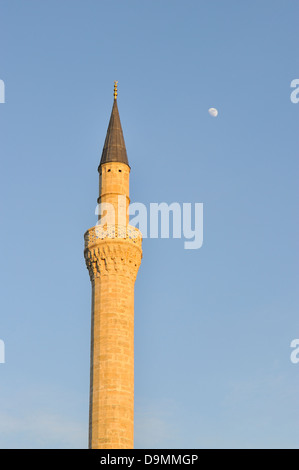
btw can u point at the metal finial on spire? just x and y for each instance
(114, 149)
(115, 89)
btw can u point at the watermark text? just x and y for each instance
(2, 91)
(2, 352)
(160, 220)
(295, 353)
(295, 93)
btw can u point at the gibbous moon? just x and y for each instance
(213, 112)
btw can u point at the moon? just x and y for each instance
(213, 112)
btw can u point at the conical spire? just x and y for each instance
(114, 149)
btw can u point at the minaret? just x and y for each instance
(113, 255)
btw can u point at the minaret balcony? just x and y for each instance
(99, 233)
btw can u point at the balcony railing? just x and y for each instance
(101, 232)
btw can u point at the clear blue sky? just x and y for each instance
(213, 326)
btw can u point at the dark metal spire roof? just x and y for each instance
(114, 149)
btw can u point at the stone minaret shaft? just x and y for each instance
(113, 254)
